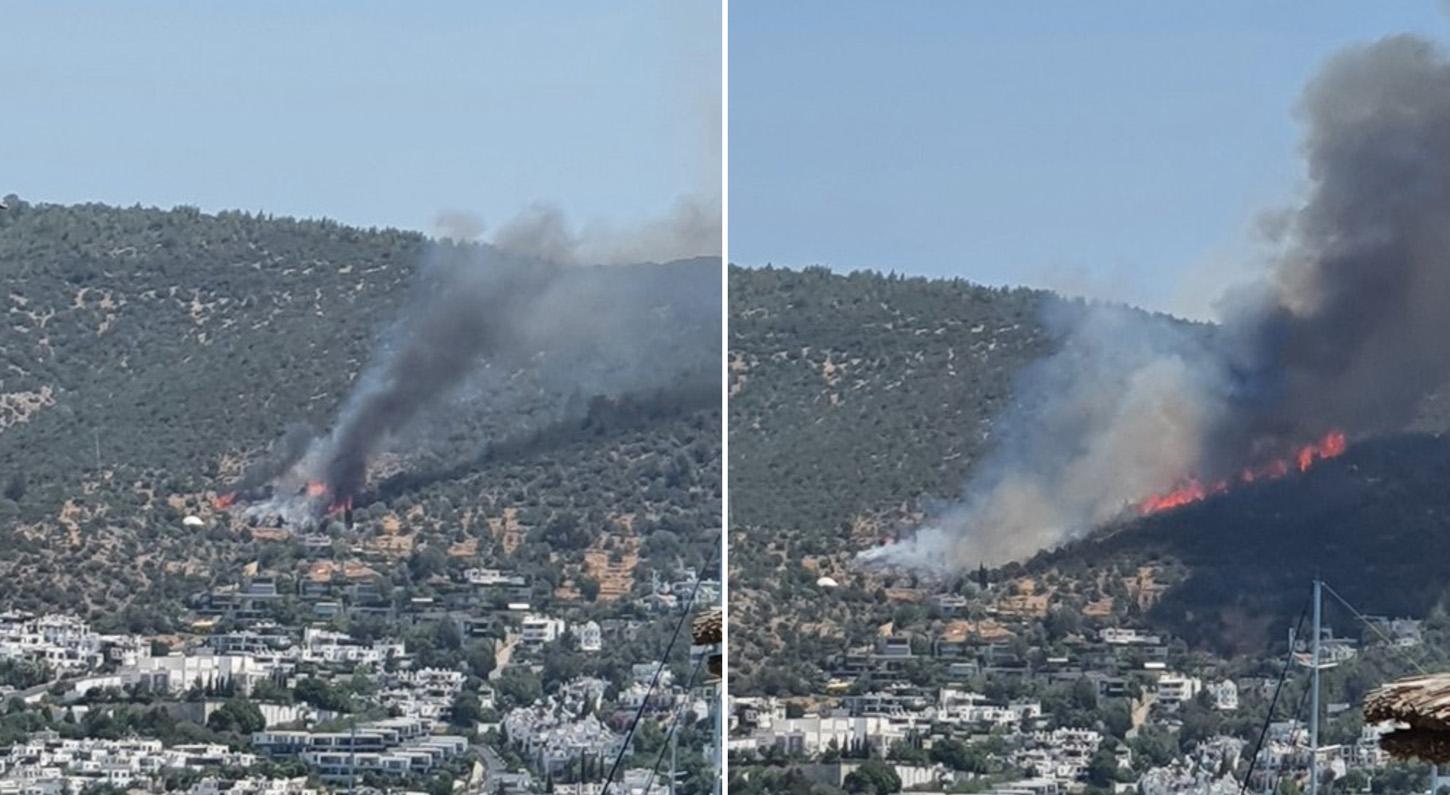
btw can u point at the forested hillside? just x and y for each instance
(858, 401)
(854, 395)
(853, 399)
(149, 354)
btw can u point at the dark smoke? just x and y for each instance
(481, 315)
(1360, 304)
(1343, 331)
(280, 457)
(466, 306)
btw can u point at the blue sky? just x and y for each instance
(1116, 149)
(373, 113)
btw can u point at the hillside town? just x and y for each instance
(1002, 690)
(283, 685)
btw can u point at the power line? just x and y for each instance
(1273, 704)
(674, 724)
(655, 680)
(1386, 638)
(1294, 737)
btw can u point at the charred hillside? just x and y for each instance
(149, 357)
(1374, 523)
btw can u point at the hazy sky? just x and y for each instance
(1119, 148)
(373, 113)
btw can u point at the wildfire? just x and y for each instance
(221, 502)
(1332, 445)
(316, 488)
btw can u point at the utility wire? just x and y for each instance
(1273, 703)
(655, 680)
(674, 724)
(1386, 638)
(1294, 737)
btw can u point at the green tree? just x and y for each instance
(873, 777)
(237, 715)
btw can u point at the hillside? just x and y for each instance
(852, 400)
(149, 354)
(858, 401)
(1374, 523)
(851, 396)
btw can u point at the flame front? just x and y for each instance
(1331, 446)
(221, 502)
(316, 488)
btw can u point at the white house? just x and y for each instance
(589, 636)
(1174, 689)
(1225, 695)
(538, 630)
(175, 673)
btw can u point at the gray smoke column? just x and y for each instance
(499, 340)
(280, 457)
(1343, 331)
(691, 228)
(586, 330)
(471, 302)
(476, 309)
(1358, 304)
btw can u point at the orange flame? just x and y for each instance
(221, 502)
(316, 488)
(1332, 445)
(341, 506)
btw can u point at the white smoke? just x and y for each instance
(1119, 412)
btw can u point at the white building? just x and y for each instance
(62, 642)
(1225, 695)
(644, 673)
(538, 630)
(45, 763)
(253, 786)
(324, 646)
(392, 746)
(1124, 636)
(965, 708)
(1061, 754)
(814, 734)
(427, 694)
(175, 673)
(589, 636)
(551, 732)
(1174, 689)
(484, 577)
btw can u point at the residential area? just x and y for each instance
(338, 679)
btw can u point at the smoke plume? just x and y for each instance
(280, 457)
(504, 333)
(1342, 332)
(690, 229)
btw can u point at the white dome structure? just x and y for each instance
(826, 582)
(193, 521)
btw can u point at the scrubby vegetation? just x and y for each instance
(858, 400)
(149, 354)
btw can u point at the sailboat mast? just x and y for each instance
(1314, 697)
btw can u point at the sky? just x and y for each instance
(1120, 150)
(370, 113)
